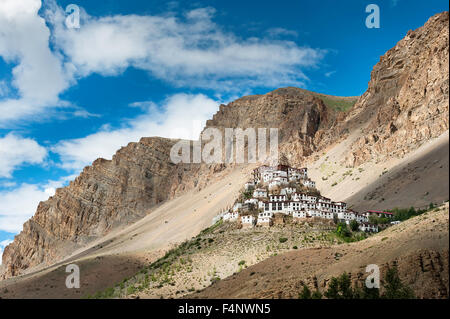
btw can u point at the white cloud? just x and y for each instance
(16, 151)
(4, 89)
(329, 74)
(189, 51)
(20, 203)
(180, 116)
(3, 244)
(39, 76)
(15, 210)
(8, 184)
(275, 32)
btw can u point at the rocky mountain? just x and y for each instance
(407, 100)
(106, 195)
(405, 105)
(298, 114)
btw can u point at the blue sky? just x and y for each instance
(142, 68)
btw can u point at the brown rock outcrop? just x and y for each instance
(298, 114)
(407, 100)
(106, 195)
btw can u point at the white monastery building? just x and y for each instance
(289, 191)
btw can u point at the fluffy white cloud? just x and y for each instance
(16, 151)
(3, 244)
(20, 203)
(4, 89)
(39, 76)
(190, 51)
(187, 51)
(180, 116)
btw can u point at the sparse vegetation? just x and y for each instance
(182, 269)
(349, 235)
(336, 103)
(341, 288)
(394, 288)
(402, 214)
(354, 225)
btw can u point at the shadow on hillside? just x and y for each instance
(96, 274)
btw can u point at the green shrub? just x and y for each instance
(354, 225)
(316, 295)
(131, 290)
(342, 230)
(305, 293)
(341, 288)
(394, 288)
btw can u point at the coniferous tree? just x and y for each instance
(394, 288)
(305, 294)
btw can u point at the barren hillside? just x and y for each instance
(125, 251)
(419, 248)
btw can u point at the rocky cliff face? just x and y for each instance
(108, 194)
(407, 100)
(298, 114)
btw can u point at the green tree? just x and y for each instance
(345, 286)
(362, 292)
(305, 293)
(316, 295)
(412, 212)
(394, 288)
(354, 225)
(247, 194)
(373, 219)
(340, 288)
(333, 289)
(343, 230)
(370, 293)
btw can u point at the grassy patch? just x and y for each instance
(336, 103)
